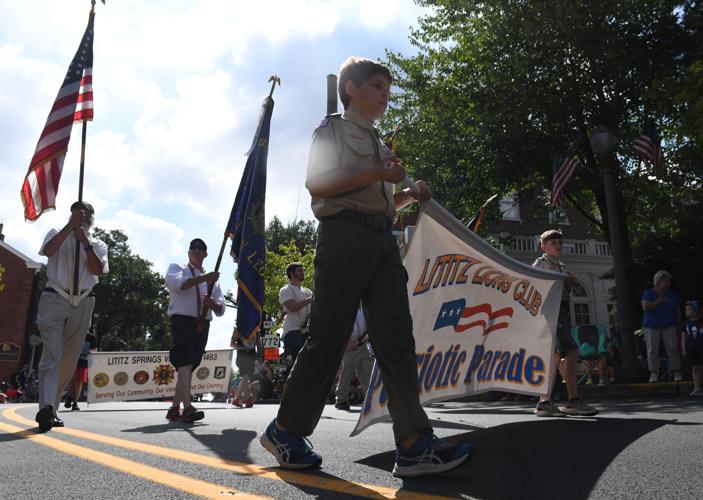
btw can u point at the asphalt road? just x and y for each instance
(633, 449)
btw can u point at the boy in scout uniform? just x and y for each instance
(351, 177)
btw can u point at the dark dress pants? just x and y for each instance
(354, 263)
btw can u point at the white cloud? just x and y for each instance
(178, 88)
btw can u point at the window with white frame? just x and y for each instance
(558, 216)
(510, 207)
(580, 305)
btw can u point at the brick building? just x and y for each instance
(17, 303)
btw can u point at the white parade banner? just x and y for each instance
(481, 320)
(133, 375)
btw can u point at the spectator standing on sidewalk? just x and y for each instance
(661, 321)
(80, 376)
(692, 343)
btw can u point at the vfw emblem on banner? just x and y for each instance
(481, 320)
(133, 375)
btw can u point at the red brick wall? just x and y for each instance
(14, 306)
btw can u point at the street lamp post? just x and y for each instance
(603, 143)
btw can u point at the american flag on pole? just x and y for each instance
(564, 168)
(74, 102)
(648, 146)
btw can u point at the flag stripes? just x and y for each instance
(647, 146)
(564, 169)
(74, 102)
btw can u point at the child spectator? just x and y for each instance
(692, 343)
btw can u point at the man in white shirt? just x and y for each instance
(295, 300)
(188, 286)
(357, 358)
(65, 310)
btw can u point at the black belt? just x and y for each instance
(375, 222)
(51, 290)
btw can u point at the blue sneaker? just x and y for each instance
(291, 452)
(429, 455)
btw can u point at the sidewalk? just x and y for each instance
(637, 390)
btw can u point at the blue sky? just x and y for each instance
(178, 86)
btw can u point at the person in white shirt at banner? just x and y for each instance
(65, 312)
(295, 300)
(357, 358)
(188, 286)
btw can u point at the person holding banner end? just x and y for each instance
(351, 177)
(187, 286)
(65, 310)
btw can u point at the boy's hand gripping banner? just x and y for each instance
(481, 320)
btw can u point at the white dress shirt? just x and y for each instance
(59, 267)
(184, 302)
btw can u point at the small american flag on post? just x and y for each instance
(74, 102)
(648, 146)
(564, 168)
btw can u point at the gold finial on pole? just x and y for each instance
(276, 80)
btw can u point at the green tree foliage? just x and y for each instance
(497, 87)
(300, 232)
(131, 300)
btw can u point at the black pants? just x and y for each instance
(187, 344)
(355, 263)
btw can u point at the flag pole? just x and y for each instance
(274, 80)
(81, 175)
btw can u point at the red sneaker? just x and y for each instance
(236, 402)
(174, 413)
(191, 414)
(249, 403)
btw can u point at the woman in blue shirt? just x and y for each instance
(660, 323)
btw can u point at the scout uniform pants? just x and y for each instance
(354, 263)
(63, 329)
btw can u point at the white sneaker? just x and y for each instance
(601, 381)
(678, 377)
(653, 377)
(612, 380)
(697, 392)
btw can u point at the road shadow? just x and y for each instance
(551, 458)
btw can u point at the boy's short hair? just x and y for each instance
(292, 267)
(552, 234)
(357, 70)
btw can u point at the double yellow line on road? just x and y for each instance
(184, 483)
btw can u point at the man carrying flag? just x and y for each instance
(74, 102)
(75, 259)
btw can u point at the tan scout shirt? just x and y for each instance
(346, 142)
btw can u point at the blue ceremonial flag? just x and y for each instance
(246, 229)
